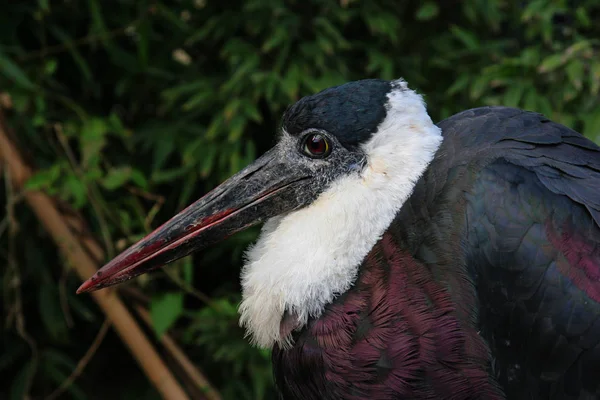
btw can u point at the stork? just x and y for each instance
(400, 259)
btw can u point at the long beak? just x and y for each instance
(266, 188)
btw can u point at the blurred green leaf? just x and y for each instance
(168, 175)
(14, 72)
(50, 312)
(551, 63)
(198, 100)
(459, 84)
(139, 179)
(575, 73)
(467, 38)
(93, 140)
(427, 11)
(583, 17)
(165, 310)
(75, 190)
(595, 78)
(479, 86)
(513, 95)
(44, 178)
(592, 125)
(188, 270)
(43, 4)
(116, 177)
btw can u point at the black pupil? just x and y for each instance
(316, 144)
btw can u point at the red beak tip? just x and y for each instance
(86, 287)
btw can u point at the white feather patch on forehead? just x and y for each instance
(304, 259)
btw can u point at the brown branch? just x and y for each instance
(82, 363)
(108, 300)
(189, 289)
(77, 225)
(199, 380)
(158, 203)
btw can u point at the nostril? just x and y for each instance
(249, 174)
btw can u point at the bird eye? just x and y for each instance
(316, 146)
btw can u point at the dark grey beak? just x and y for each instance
(266, 188)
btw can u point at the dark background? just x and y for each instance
(133, 109)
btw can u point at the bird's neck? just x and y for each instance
(398, 330)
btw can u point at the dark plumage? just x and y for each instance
(488, 280)
(395, 334)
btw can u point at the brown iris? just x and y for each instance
(316, 145)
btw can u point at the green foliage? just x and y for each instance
(131, 110)
(165, 309)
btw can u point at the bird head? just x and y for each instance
(345, 161)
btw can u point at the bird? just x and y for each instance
(403, 259)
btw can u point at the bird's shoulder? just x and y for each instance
(565, 162)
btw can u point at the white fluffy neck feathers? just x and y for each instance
(304, 259)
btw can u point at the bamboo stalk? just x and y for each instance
(108, 300)
(190, 369)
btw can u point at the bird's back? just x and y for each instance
(524, 193)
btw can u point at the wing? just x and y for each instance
(530, 189)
